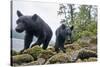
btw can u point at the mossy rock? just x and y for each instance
(85, 54)
(58, 58)
(40, 61)
(92, 59)
(34, 51)
(92, 48)
(74, 46)
(84, 42)
(93, 40)
(82, 54)
(13, 53)
(23, 58)
(78, 61)
(33, 63)
(52, 49)
(46, 54)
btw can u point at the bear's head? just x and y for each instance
(68, 33)
(25, 22)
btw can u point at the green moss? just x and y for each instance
(93, 40)
(74, 46)
(51, 49)
(83, 42)
(23, 58)
(92, 59)
(33, 63)
(34, 51)
(58, 58)
(46, 54)
(13, 52)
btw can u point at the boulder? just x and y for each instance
(46, 54)
(34, 51)
(23, 58)
(58, 58)
(13, 52)
(83, 54)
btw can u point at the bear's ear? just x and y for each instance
(63, 26)
(34, 17)
(72, 27)
(19, 13)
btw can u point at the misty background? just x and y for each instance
(47, 11)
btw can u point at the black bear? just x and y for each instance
(63, 33)
(33, 26)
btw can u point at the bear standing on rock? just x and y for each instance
(63, 33)
(33, 26)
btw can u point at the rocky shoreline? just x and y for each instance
(81, 51)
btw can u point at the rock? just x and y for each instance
(74, 56)
(51, 48)
(79, 60)
(13, 52)
(93, 40)
(92, 48)
(92, 59)
(15, 64)
(85, 54)
(46, 54)
(74, 46)
(87, 41)
(41, 61)
(34, 51)
(23, 58)
(58, 58)
(84, 41)
(82, 54)
(33, 63)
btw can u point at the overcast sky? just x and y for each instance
(47, 11)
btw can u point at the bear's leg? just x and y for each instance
(39, 41)
(56, 48)
(46, 42)
(62, 48)
(27, 41)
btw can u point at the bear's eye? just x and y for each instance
(18, 21)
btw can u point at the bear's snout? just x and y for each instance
(18, 30)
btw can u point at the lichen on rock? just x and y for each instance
(23, 58)
(46, 54)
(34, 51)
(58, 58)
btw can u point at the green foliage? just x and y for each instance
(86, 31)
(84, 20)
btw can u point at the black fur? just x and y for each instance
(33, 26)
(63, 33)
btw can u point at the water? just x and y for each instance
(17, 44)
